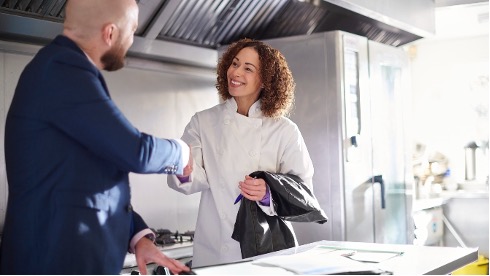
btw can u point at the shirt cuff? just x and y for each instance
(184, 179)
(185, 152)
(141, 234)
(266, 200)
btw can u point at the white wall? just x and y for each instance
(450, 90)
(157, 98)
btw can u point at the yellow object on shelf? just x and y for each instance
(479, 267)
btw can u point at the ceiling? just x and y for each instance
(472, 20)
(169, 28)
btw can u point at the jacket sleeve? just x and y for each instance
(295, 160)
(137, 225)
(198, 181)
(293, 199)
(82, 108)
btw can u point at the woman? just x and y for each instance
(245, 133)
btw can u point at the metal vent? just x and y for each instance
(47, 9)
(209, 23)
(213, 23)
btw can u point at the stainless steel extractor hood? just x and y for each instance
(188, 31)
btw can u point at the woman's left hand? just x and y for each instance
(253, 188)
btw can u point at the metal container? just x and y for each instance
(476, 162)
(470, 160)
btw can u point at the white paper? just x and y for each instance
(317, 261)
(245, 268)
(372, 257)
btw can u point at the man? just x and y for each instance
(69, 151)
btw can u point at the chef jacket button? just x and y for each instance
(252, 153)
(224, 248)
(226, 122)
(129, 208)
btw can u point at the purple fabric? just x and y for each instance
(183, 179)
(266, 200)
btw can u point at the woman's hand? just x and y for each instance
(253, 188)
(188, 168)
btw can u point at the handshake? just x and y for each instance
(188, 168)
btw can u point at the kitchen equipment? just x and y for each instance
(475, 161)
(470, 160)
(350, 108)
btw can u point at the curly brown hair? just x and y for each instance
(277, 96)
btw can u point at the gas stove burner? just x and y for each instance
(186, 236)
(166, 237)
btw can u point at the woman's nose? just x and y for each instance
(237, 72)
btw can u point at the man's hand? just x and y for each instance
(146, 252)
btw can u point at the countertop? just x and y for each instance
(413, 260)
(442, 198)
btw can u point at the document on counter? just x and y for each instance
(363, 255)
(318, 260)
(321, 260)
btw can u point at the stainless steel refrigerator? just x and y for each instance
(352, 96)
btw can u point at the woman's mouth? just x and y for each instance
(235, 83)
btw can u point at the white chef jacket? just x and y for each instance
(226, 146)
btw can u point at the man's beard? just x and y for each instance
(113, 59)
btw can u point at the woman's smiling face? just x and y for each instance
(244, 75)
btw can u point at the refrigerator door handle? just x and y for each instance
(353, 141)
(379, 179)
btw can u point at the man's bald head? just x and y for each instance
(87, 17)
(98, 25)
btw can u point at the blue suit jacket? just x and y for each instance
(68, 152)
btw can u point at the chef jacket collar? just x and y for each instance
(254, 111)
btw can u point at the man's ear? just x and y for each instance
(109, 34)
